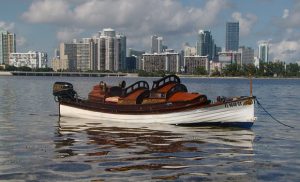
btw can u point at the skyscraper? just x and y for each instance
(263, 52)
(156, 44)
(232, 36)
(205, 44)
(122, 51)
(7, 45)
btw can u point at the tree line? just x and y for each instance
(277, 69)
(24, 68)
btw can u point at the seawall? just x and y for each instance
(5, 73)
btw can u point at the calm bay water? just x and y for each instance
(36, 146)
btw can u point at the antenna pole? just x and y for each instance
(251, 93)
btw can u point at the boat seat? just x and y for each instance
(114, 99)
(161, 93)
(100, 92)
(183, 97)
(166, 88)
(135, 97)
(96, 95)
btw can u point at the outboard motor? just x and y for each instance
(63, 91)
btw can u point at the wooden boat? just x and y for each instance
(168, 102)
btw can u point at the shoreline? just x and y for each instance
(130, 75)
(237, 77)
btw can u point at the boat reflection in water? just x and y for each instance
(119, 151)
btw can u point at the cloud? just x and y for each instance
(286, 13)
(67, 34)
(287, 44)
(21, 41)
(47, 11)
(133, 18)
(7, 26)
(290, 17)
(246, 22)
(285, 50)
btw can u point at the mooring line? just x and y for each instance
(259, 104)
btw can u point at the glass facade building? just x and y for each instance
(232, 36)
(205, 44)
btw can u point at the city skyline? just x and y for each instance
(41, 25)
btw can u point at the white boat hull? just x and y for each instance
(239, 113)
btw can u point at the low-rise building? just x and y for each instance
(138, 55)
(230, 57)
(215, 66)
(247, 55)
(191, 63)
(31, 59)
(130, 64)
(161, 62)
(190, 51)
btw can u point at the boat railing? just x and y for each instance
(136, 86)
(163, 81)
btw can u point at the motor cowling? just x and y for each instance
(64, 91)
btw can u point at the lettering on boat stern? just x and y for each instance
(233, 104)
(248, 102)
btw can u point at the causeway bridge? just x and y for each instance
(66, 74)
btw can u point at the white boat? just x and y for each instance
(168, 102)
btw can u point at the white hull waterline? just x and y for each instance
(240, 113)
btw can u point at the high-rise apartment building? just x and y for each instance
(156, 44)
(263, 52)
(205, 44)
(67, 57)
(7, 45)
(75, 56)
(83, 59)
(107, 51)
(232, 36)
(111, 50)
(92, 52)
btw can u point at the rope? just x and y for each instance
(273, 116)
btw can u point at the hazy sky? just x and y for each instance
(42, 24)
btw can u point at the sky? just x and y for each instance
(40, 25)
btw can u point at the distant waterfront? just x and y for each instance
(67, 74)
(98, 74)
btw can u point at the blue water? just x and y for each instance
(36, 146)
